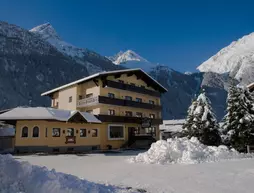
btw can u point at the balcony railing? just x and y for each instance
(114, 101)
(132, 88)
(88, 101)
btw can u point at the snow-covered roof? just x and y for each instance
(42, 113)
(174, 125)
(174, 122)
(7, 132)
(101, 74)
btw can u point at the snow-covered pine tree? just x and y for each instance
(239, 121)
(201, 122)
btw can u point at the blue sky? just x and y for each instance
(181, 34)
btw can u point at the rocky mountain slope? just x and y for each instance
(91, 60)
(237, 59)
(182, 87)
(29, 65)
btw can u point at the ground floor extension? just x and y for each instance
(55, 136)
(41, 129)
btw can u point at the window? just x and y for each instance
(132, 84)
(82, 133)
(80, 97)
(70, 132)
(128, 113)
(36, 131)
(111, 112)
(152, 116)
(111, 95)
(116, 131)
(94, 132)
(129, 98)
(24, 132)
(56, 132)
(138, 114)
(121, 81)
(151, 102)
(70, 99)
(89, 95)
(139, 100)
(46, 132)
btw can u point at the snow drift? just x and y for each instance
(23, 177)
(186, 151)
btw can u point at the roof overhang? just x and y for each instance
(137, 71)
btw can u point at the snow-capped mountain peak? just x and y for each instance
(237, 59)
(48, 33)
(129, 55)
(131, 59)
(46, 30)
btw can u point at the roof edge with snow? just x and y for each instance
(162, 89)
(44, 113)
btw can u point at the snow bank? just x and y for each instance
(187, 151)
(23, 177)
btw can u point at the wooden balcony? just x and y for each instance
(86, 102)
(125, 119)
(132, 88)
(114, 101)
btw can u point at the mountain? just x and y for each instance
(182, 87)
(237, 60)
(31, 64)
(34, 61)
(131, 59)
(90, 59)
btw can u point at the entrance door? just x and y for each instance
(131, 135)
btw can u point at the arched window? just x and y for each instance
(36, 131)
(24, 132)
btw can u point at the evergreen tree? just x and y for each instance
(238, 122)
(201, 122)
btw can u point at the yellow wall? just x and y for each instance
(50, 141)
(120, 94)
(63, 98)
(102, 139)
(87, 88)
(120, 110)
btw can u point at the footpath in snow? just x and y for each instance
(22, 177)
(186, 151)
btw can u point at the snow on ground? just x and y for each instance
(22, 177)
(227, 176)
(187, 151)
